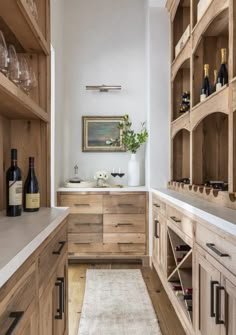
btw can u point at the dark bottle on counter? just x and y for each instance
(13, 187)
(31, 190)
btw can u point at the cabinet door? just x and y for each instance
(227, 313)
(207, 278)
(47, 310)
(159, 237)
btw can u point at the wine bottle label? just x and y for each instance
(15, 193)
(218, 86)
(32, 200)
(203, 97)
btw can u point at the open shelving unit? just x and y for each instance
(203, 139)
(25, 119)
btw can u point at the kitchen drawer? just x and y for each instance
(85, 223)
(158, 205)
(124, 223)
(124, 204)
(82, 204)
(76, 249)
(52, 254)
(217, 246)
(18, 299)
(86, 238)
(183, 222)
(124, 238)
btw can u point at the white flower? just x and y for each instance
(101, 175)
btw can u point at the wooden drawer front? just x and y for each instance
(124, 204)
(86, 238)
(184, 223)
(158, 205)
(52, 254)
(216, 245)
(106, 248)
(124, 238)
(124, 223)
(83, 204)
(85, 223)
(18, 299)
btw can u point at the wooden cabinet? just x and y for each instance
(106, 224)
(159, 241)
(35, 299)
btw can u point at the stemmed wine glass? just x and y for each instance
(28, 79)
(3, 54)
(13, 68)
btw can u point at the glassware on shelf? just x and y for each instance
(13, 67)
(3, 54)
(24, 74)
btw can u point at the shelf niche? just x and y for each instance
(180, 23)
(213, 39)
(181, 84)
(210, 149)
(181, 155)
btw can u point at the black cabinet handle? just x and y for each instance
(58, 252)
(17, 316)
(62, 280)
(125, 205)
(125, 243)
(215, 250)
(123, 224)
(60, 310)
(218, 305)
(156, 228)
(81, 205)
(157, 205)
(212, 297)
(175, 219)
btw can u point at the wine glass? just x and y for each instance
(3, 54)
(13, 67)
(24, 74)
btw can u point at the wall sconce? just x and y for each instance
(104, 88)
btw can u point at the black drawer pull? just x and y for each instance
(216, 251)
(218, 305)
(212, 297)
(81, 205)
(60, 284)
(79, 243)
(125, 243)
(17, 316)
(58, 252)
(175, 219)
(126, 205)
(62, 280)
(156, 205)
(124, 224)
(156, 228)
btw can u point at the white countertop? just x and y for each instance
(104, 189)
(219, 216)
(21, 236)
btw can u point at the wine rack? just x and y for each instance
(203, 139)
(179, 271)
(25, 119)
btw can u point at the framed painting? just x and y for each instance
(99, 132)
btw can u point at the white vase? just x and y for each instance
(133, 171)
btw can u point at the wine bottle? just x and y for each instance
(31, 190)
(185, 296)
(222, 78)
(13, 187)
(188, 291)
(182, 247)
(177, 288)
(215, 81)
(206, 87)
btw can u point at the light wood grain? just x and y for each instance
(124, 223)
(83, 204)
(124, 204)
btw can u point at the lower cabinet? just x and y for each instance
(159, 240)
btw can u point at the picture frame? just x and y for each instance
(99, 130)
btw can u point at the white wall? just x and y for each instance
(57, 40)
(159, 100)
(105, 43)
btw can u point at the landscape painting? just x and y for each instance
(102, 134)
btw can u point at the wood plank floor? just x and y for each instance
(169, 322)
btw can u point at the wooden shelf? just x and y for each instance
(183, 122)
(181, 59)
(17, 16)
(15, 104)
(214, 10)
(216, 102)
(181, 155)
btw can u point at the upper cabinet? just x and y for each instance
(25, 89)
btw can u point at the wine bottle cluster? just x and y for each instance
(220, 77)
(16, 196)
(185, 103)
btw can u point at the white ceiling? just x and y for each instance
(157, 3)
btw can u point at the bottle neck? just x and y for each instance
(14, 162)
(223, 56)
(206, 72)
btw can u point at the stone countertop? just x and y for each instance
(104, 189)
(21, 236)
(221, 217)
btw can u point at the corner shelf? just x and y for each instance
(15, 104)
(25, 27)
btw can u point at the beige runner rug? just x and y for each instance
(117, 302)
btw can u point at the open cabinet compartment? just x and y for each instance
(207, 51)
(181, 22)
(181, 84)
(181, 155)
(199, 8)
(210, 149)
